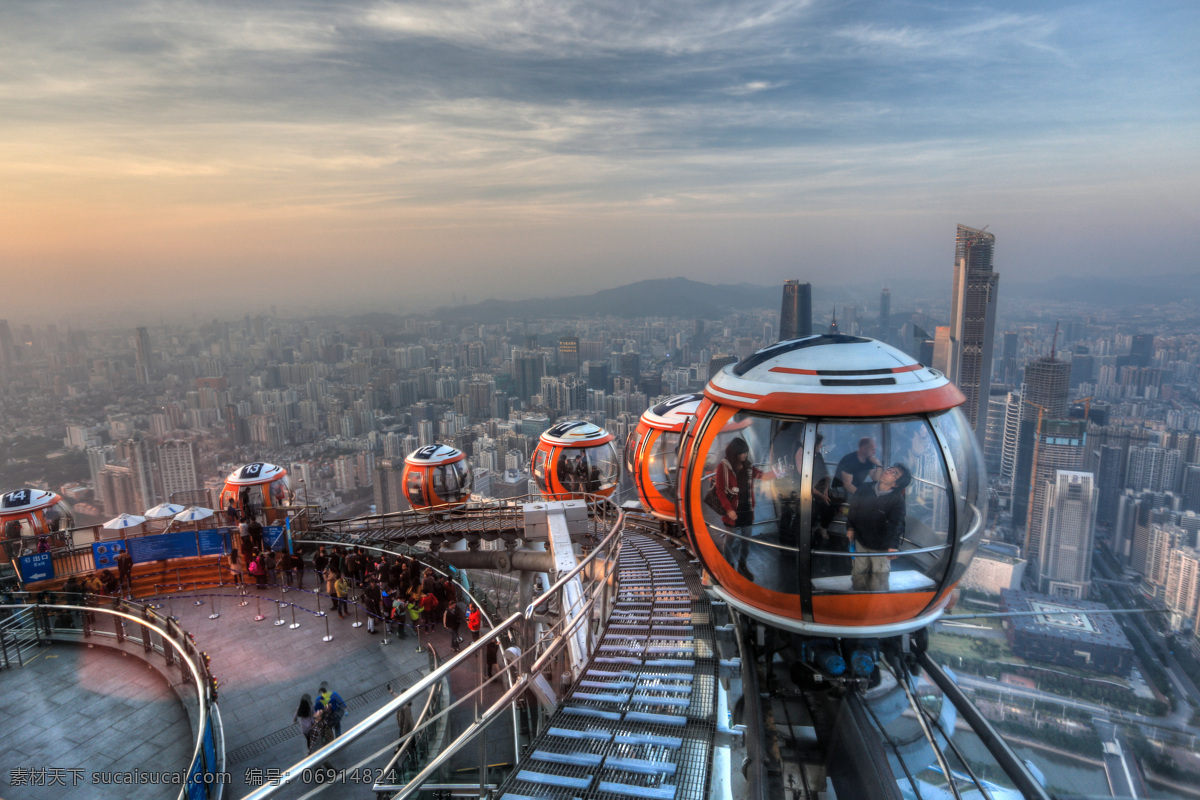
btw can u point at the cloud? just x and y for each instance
(388, 118)
(575, 27)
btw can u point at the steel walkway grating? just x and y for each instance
(640, 721)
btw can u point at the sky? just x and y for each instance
(212, 158)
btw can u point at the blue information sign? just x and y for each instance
(163, 546)
(273, 534)
(36, 567)
(106, 553)
(214, 541)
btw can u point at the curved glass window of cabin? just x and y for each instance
(887, 525)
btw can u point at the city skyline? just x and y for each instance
(206, 156)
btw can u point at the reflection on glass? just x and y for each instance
(412, 488)
(891, 527)
(664, 464)
(631, 446)
(774, 488)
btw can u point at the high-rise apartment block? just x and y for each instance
(1059, 446)
(973, 321)
(1069, 519)
(795, 318)
(1182, 591)
(177, 465)
(568, 354)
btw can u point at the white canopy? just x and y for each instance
(193, 514)
(124, 521)
(164, 510)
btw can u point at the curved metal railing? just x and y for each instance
(203, 779)
(520, 671)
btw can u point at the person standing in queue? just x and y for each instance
(474, 621)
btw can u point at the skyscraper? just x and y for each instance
(795, 319)
(142, 354)
(1065, 559)
(973, 321)
(885, 315)
(528, 369)
(568, 354)
(146, 486)
(1060, 446)
(177, 463)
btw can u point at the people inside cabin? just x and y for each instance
(232, 516)
(12, 539)
(571, 470)
(859, 466)
(875, 524)
(734, 483)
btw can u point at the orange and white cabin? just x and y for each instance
(437, 477)
(28, 515)
(261, 488)
(574, 459)
(650, 453)
(818, 420)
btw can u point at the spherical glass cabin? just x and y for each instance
(574, 459)
(261, 488)
(33, 518)
(437, 478)
(852, 500)
(650, 453)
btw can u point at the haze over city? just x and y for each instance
(211, 157)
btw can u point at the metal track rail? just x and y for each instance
(640, 722)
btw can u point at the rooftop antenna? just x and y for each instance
(1054, 342)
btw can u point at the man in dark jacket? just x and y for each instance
(875, 524)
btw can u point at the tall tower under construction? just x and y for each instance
(795, 318)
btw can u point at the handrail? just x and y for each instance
(318, 757)
(419, 723)
(563, 580)
(199, 675)
(558, 643)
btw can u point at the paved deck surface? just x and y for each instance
(263, 669)
(73, 713)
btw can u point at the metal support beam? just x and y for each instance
(499, 560)
(1008, 760)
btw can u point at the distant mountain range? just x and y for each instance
(665, 297)
(684, 298)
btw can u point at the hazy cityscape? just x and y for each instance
(324, 236)
(1089, 419)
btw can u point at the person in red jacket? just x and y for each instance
(474, 621)
(429, 607)
(735, 489)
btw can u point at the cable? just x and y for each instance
(895, 750)
(937, 751)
